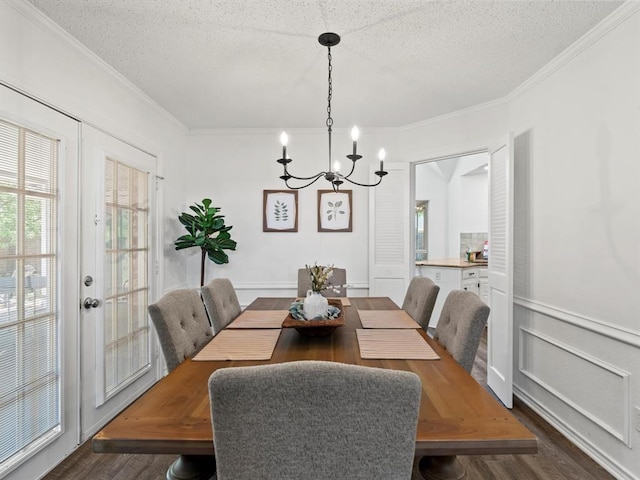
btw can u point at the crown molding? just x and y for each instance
(447, 116)
(618, 16)
(39, 19)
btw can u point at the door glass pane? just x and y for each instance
(126, 327)
(29, 324)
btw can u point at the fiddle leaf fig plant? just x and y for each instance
(206, 230)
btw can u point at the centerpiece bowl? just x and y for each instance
(316, 328)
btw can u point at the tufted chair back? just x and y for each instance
(312, 419)
(181, 323)
(460, 326)
(339, 279)
(221, 302)
(420, 299)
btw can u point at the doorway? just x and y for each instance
(456, 191)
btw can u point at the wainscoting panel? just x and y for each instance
(601, 392)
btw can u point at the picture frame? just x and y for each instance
(334, 211)
(280, 211)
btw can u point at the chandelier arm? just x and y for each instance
(318, 177)
(365, 184)
(313, 177)
(353, 167)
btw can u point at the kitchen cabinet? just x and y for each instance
(470, 280)
(454, 274)
(484, 284)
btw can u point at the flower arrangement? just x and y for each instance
(320, 276)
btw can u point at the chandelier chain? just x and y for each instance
(330, 94)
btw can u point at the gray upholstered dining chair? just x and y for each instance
(221, 302)
(460, 326)
(420, 300)
(181, 323)
(339, 279)
(311, 419)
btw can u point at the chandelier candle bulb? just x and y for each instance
(336, 166)
(284, 139)
(381, 155)
(355, 133)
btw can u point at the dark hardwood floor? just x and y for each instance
(558, 459)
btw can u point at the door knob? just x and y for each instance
(91, 302)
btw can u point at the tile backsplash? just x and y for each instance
(474, 241)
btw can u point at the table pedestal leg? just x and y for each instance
(441, 468)
(192, 467)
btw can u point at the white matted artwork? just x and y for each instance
(334, 211)
(280, 211)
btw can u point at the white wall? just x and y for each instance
(468, 200)
(234, 167)
(432, 186)
(576, 330)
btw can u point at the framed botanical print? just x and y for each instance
(280, 211)
(334, 211)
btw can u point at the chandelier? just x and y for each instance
(333, 174)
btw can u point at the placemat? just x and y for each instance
(240, 345)
(394, 344)
(387, 319)
(345, 301)
(259, 319)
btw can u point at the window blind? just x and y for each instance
(30, 409)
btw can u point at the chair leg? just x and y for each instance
(441, 468)
(192, 467)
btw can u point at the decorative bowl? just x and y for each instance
(316, 328)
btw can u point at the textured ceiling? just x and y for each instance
(257, 63)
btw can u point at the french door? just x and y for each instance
(39, 419)
(500, 331)
(117, 275)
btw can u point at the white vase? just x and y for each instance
(315, 305)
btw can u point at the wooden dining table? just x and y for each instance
(457, 415)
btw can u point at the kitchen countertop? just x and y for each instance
(451, 262)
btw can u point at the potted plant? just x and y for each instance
(208, 232)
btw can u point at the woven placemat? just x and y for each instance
(259, 319)
(240, 345)
(386, 319)
(345, 301)
(401, 344)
